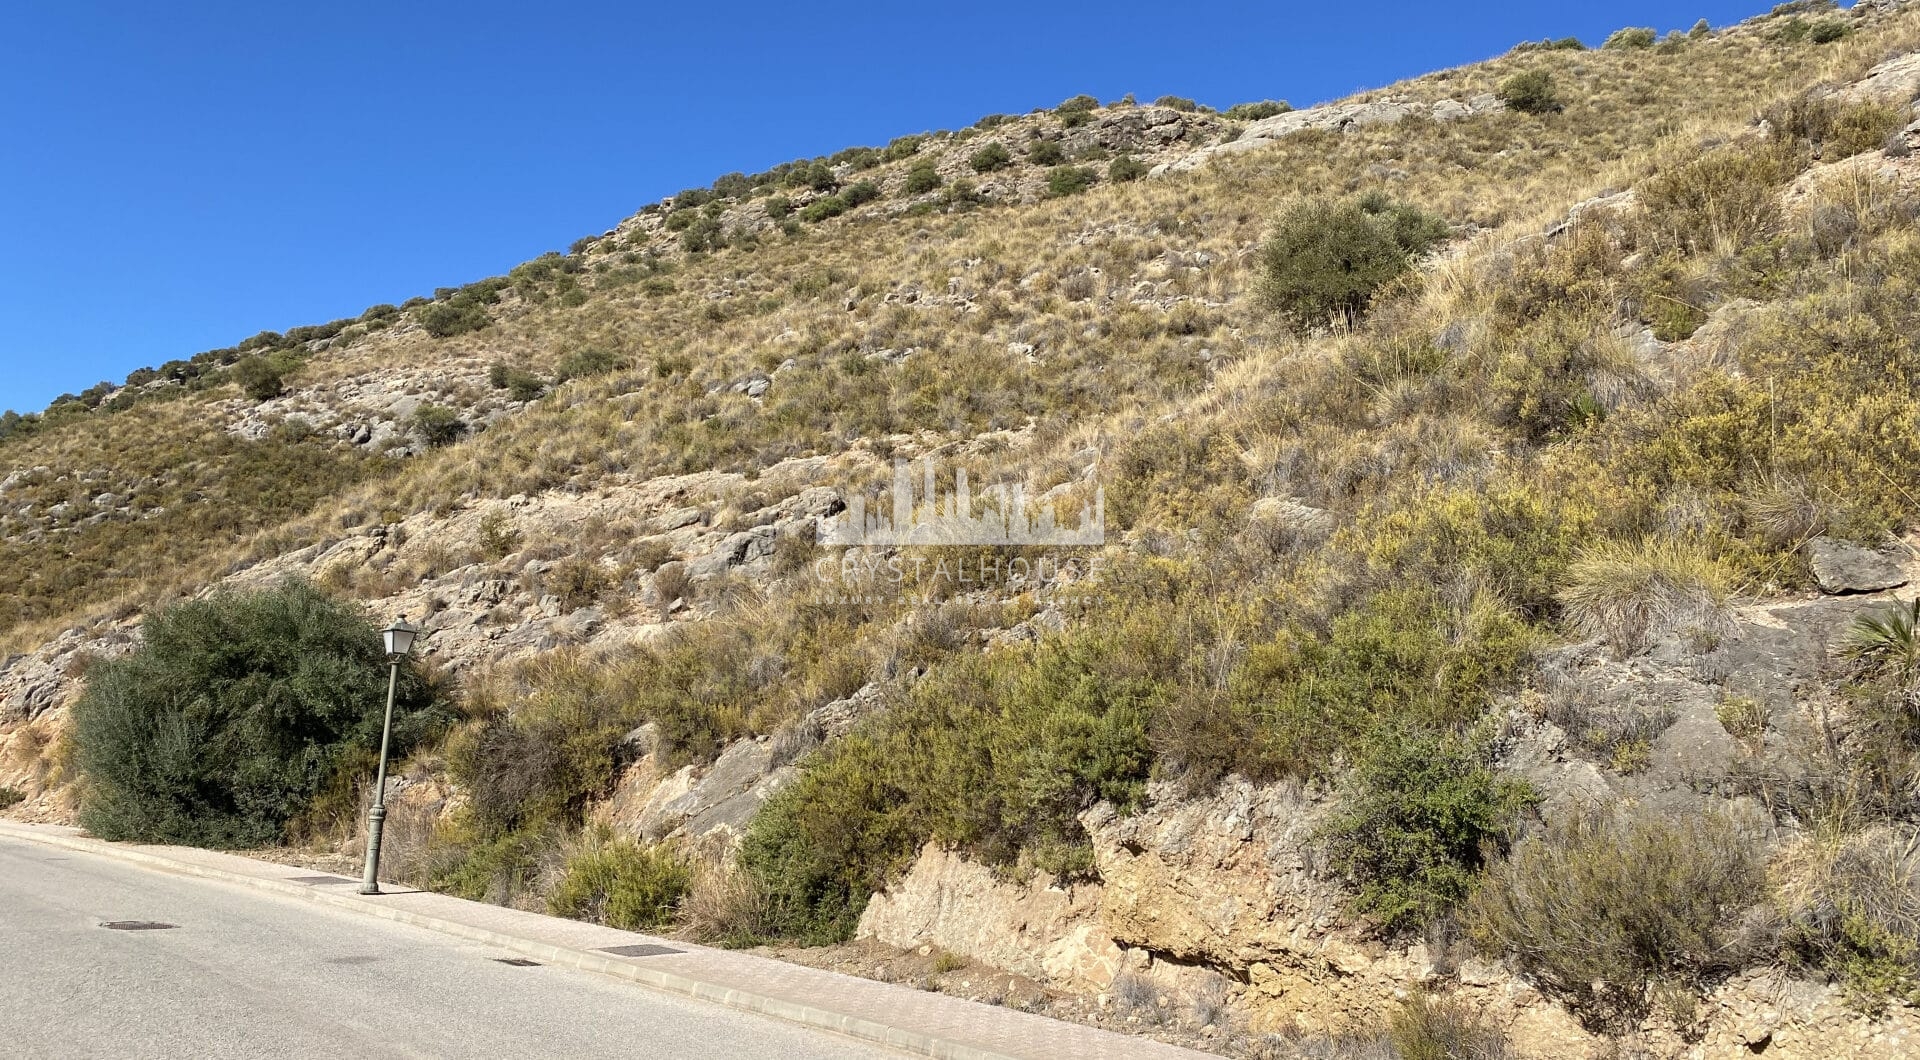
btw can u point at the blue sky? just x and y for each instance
(176, 177)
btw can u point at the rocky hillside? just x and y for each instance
(1501, 635)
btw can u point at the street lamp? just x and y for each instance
(399, 638)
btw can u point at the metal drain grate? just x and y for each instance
(137, 925)
(642, 950)
(518, 962)
(317, 881)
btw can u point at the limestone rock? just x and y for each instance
(1841, 567)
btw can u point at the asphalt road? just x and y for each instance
(251, 974)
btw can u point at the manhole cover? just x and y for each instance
(642, 950)
(137, 925)
(518, 962)
(316, 881)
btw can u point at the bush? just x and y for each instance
(586, 362)
(991, 157)
(260, 377)
(1724, 199)
(778, 207)
(1424, 812)
(820, 209)
(1266, 108)
(1328, 259)
(1126, 169)
(1428, 1027)
(1081, 103)
(234, 713)
(1631, 593)
(444, 320)
(1631, 37)
(864, 192)
(1045, 153)
(520, 384)
(1530, 93)
(1069, 180)
(9, 797)
(438, 426)
(1600, 907)
(922, 178)
(1180, 103)
(1852, 908)
(620, 883)
(1826, 31)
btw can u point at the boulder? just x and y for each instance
(1841, 567)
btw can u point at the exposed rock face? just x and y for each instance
(1841, 567)
(1051, 934)
(1338, 117)
(1896, 81)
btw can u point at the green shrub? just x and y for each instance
(1530, 93)
(234, 713)
(1266, 108)
(1725, 198)
(260, 377)
(864, 192)
(997, 754)
(444, 320)
(991, 157)
(901, 147)
(1631, 37)
(778, 207)
(1326, 260)
(1424, 813)
(1180, 103)
(520, 384)
(1069, 180)
(1827, 30)
(1081, 103)
(1126, 169)
(1564, 44)
(820, 209)
(1045, 153)
(618, 882)
(438, 426)
(587, 362)
(1600, 907)
(1852, 908)
(10, 797)
(922, 178)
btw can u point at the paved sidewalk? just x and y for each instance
(915, 1021)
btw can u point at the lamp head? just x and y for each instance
(400, 637)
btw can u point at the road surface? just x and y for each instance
(251, 974)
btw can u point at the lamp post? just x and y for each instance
(399, 637)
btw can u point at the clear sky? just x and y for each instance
(175, 177)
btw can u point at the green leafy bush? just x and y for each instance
(1266, 108)
(1069, 180)
(864, 192)
(1180, 103)
(10, 797)
(587, 362)
(778, 207)
(991, 157)
(438, 425)
(1326, 260)
(922, 178)
(1530, 93)
(1601, 906)
(444, 320)
(1424, 813)
(1826, 31)
(621, 883)
(1852, 907)
(820, 209)
(520, 384)
(1630, 38)
(1045, 153)
(1126, 169)
(234, 713)
(260, 377)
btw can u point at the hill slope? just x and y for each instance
(1397, 605)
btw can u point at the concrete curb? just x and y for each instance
(902, 1038)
